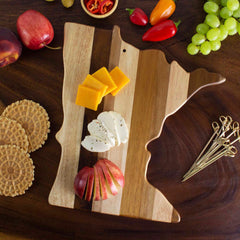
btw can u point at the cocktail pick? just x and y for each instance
(220, 144)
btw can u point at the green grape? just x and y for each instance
(217, 13)
(238, 28)
(223, 33)
(224, 3)
(218, 2)
(192, 49)
(205, 48)
(202, 28)
(210, 7)
(236, 13)
(213, 34)
(230, 23)
(198, 39)
(233, 4)
(215, 45)
(212, 20)
(232, 31)
(225, 13)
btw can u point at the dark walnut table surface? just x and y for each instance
(38, 75)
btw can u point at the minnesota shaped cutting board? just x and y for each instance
(157, 89)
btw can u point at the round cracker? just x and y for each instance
(16, 171)
(12, 133)
(33, 118)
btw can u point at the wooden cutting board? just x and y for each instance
(157, 89)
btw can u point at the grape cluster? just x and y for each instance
(221, 20)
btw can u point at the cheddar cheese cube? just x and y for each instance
(103, 76)
(88, 97)
(119, 78)
(92, 82)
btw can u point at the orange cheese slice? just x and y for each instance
(119, 78)
(103, 76)
(88, 97)
(92, 82)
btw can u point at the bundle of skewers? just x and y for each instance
(219, 145)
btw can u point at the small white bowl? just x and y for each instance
(98, 15)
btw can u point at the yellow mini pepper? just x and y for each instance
(162, 11)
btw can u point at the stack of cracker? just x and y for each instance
(24, 128)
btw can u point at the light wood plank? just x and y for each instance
(78, 41)
(178, 88)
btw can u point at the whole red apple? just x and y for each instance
(10, 47)
(34, 29)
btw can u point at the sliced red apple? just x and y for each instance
(103, 187)
(89, 188)
(109, 181)
(100, 182)
(80, 181)
(115, 172)
(96, 189)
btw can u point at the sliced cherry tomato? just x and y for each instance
(106, 6)
(93, 6)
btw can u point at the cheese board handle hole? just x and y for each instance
(124, 50)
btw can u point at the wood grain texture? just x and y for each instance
(11, 236)
(207, 191)
(124, 56)
(151, 64)
(2, 107)
(156, 90)
(77, 58)
(208, 204)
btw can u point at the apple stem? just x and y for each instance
(52, 48)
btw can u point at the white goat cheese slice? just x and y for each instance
(95, 144)
(97, 129)
(121, 126)
(109, 121)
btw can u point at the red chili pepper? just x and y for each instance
(106, 6)
(138, 16)
(93, 6)
(161, 31)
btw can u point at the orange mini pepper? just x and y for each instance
(162, 11)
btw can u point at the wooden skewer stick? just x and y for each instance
(221, 146)
(227, 152)
(216, 128)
